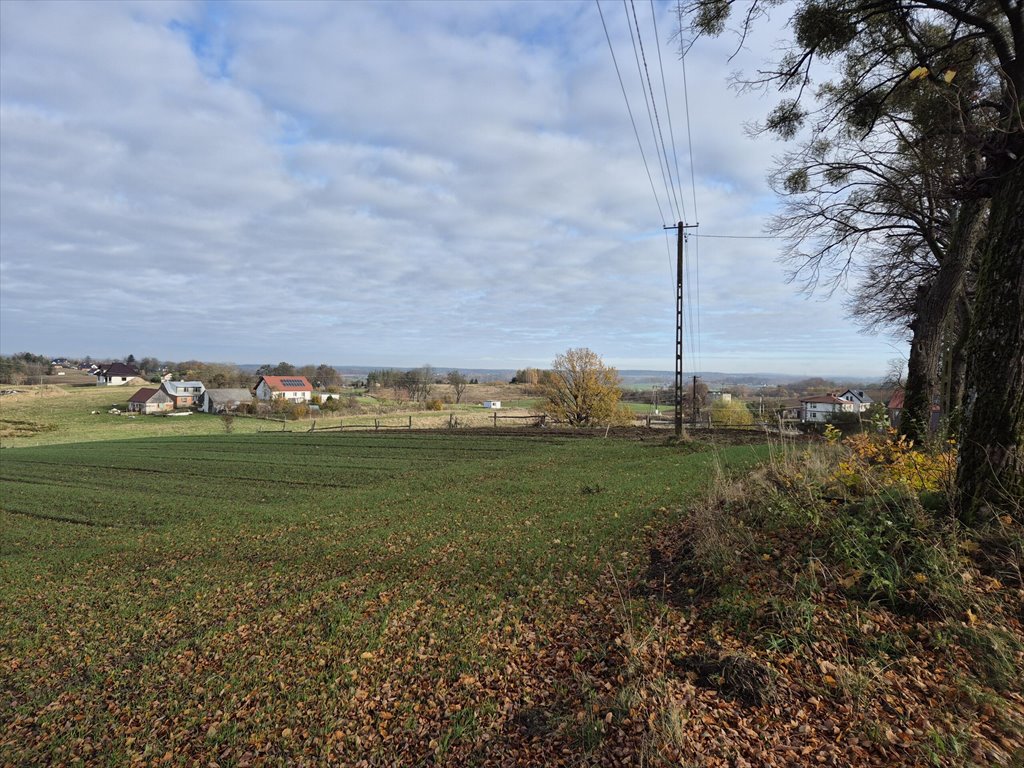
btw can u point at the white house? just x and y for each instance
(293, 388)
(115, 375)
(495, 404)
(224, 400)
(860, 400)
(823, 408)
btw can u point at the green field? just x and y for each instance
(51, 415)
(313, 597)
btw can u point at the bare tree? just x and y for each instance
(419, 382)
(458, 384)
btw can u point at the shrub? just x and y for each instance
(877, 462)
(434, 404)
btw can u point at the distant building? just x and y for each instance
(294, 388)
(823, 408)
(150, 400)
(860, 400)
(115, 375)
(895, 409)
(494, 404)
(184, 393)
(717, 394)
(224, 400)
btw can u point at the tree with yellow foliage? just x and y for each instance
(731, 413)
(583, 391)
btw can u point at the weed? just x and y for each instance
(990, 652)
(945, 746)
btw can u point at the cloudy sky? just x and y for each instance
(383, 184)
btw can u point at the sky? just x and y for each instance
(389, 184)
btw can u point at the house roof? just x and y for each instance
(856, 395)
(287, 383)
(146, 394)
(825, 399)
(896, 402)
(172, 387)
(229, 395)
(118, 369)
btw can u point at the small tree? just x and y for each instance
(582, 391)
(326, 376)
(419, 381)
(731, 413)
(458, 383)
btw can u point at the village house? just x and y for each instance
(224, 400)
(185, 394)
(895, 409)
(860, 400)
(150, 400)
(115, 375)
(824, 408)
(295, 389)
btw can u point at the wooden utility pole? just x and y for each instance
(680, 230)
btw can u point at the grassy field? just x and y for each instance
(51, 415)
(314, 598)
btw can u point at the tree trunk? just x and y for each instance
(933, 306)
(958, 368)
(990, 477)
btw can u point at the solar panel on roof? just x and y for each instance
(292, 382)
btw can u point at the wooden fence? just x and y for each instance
(376, 426)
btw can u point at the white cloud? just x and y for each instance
(374, 183)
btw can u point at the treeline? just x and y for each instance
(22, 368)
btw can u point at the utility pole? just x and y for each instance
(680, 231)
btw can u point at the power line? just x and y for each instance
(693, 175)
(744, 237)
(629, 110)
(650, 102)
(668, 111)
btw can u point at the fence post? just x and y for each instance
(313, 427)
(495, 420)
(376, 425)
(410, 422)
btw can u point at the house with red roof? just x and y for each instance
(895, 408)
(296, 389)
(150, 400)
